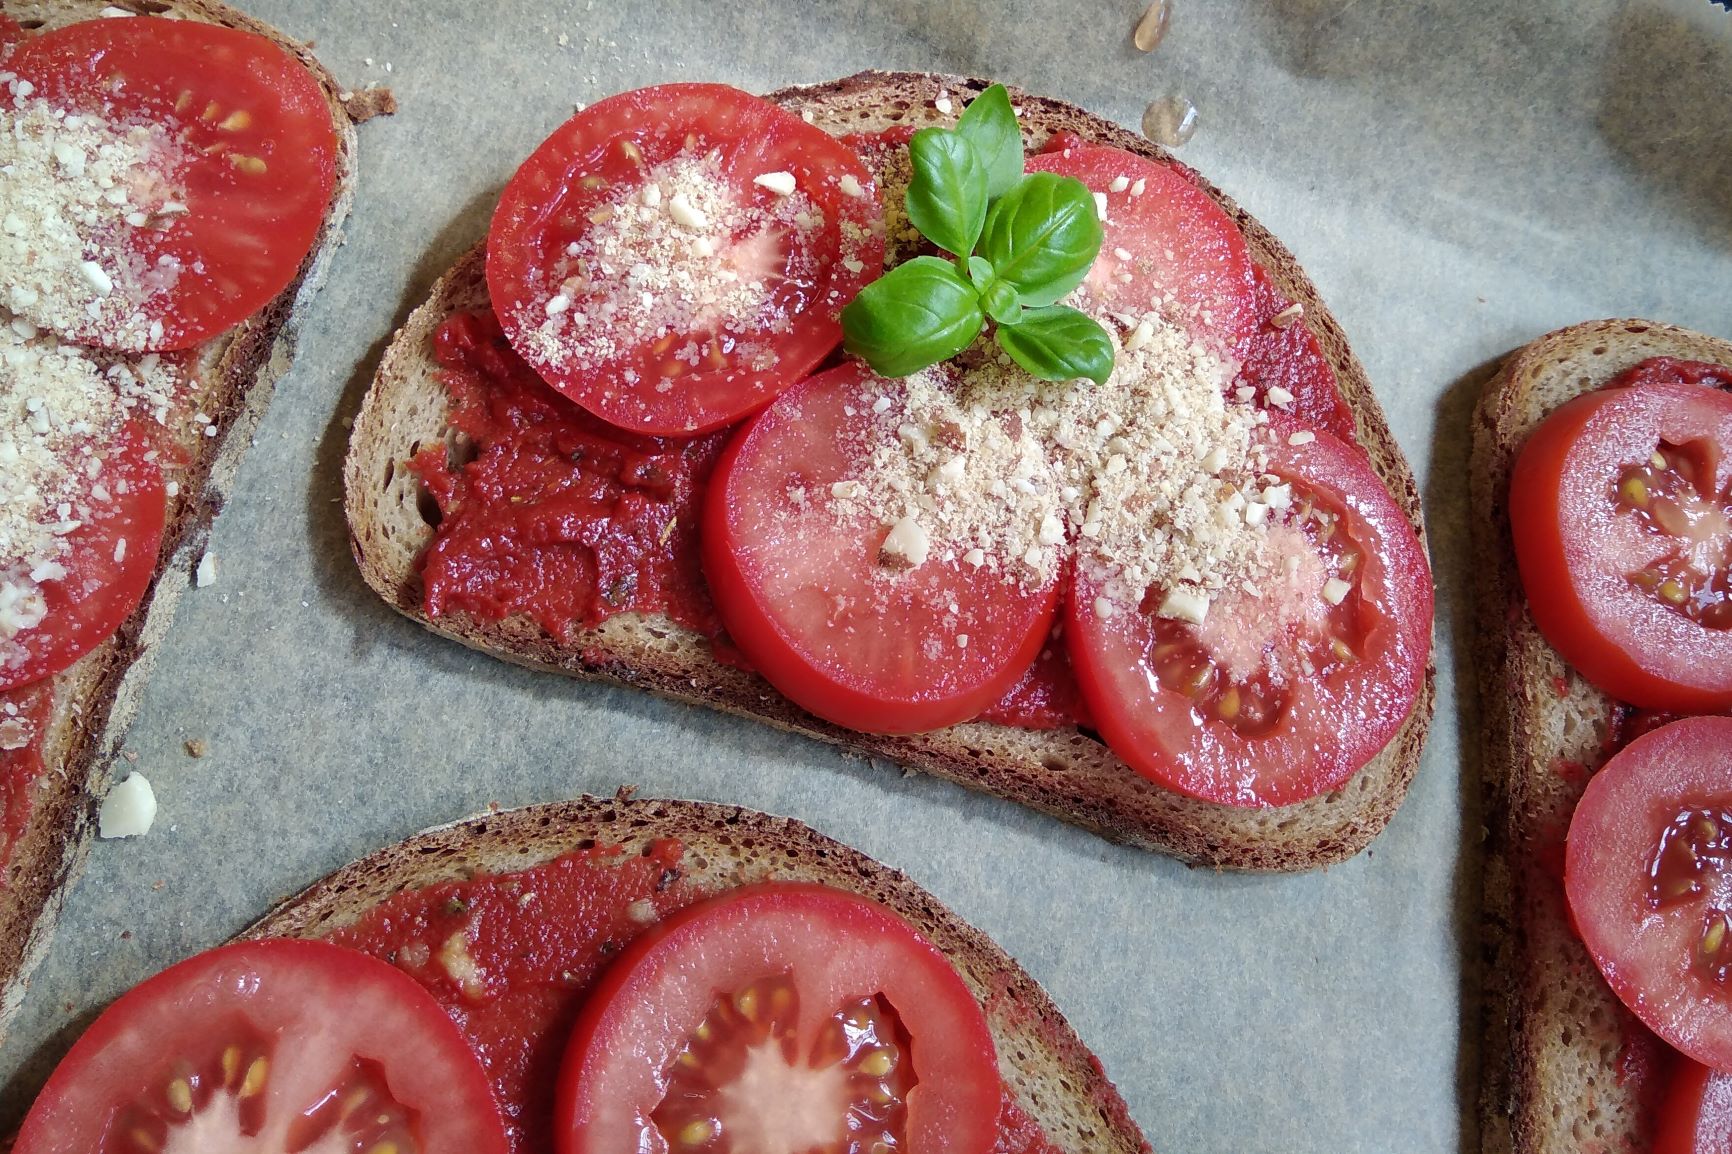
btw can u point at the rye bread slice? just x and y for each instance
(1067, 773)
(95, 700)
(1556, 1035)
(1051, 1072)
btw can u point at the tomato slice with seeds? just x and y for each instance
(1170, 248)
(1281, 695)
(237, 209)
(1648, 872)
(1621, 507)
(1696, 1117)
(269, 1047)
(673, 258)
(780, 1019)
(110, 561)
(803, 589)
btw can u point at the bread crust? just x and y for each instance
(1555, 1034)
(1048, 1068)
(96, 699)
(1066, 773)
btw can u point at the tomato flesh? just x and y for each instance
(1170, 248)
(1621, 509)
(272, 1047)
(109, 565)
(256, 164)
(780, 1019)
(641, 263)
(1283, 695)
(1648, 872)
(1696, 1117)
(803, 589)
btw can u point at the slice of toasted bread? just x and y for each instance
(95, 700)
(1052, 1074)
(1066, 773)
(1561, 1052)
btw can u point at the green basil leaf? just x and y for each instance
(917, 314)
(1002, 303)
(980, 272)
(1059, 344)
(947, 197)
(1043, 236)
(989, 123)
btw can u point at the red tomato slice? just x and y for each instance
(801, 591)
(1187, 255)
(780, 1019)
(1648, 871)
(1621, 507)
(1697, 1115)
(637, 262)
(112, 560)
(1280, 697)
(258, 157)
(269, 1047)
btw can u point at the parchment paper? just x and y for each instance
(1458, 178)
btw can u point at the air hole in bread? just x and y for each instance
(428, 507)
(31, 25)
(143, 7)
(1055, 763)
(390, 473)
(1599, 351)
(459, 450)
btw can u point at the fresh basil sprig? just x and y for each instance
(1020, 243)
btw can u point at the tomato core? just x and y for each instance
(1672, 496)
(852, 1084)
(1689, 866)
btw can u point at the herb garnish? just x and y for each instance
(1020, 243)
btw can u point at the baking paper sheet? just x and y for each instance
(1458, 178)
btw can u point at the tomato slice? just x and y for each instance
(802, 586)
(269, 1047)
(240, 196)
(780, 1019)
(109, 563)
(1648, 871)
(1283, 695)
(1696, 1117)
(1169, 247)
(673, 258)
(1621, 507)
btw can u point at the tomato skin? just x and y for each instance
(246, 233)
(98, 594)
(545, 205)
(1697, 1115)
(1644, 951)
(1568, 531)
(1327, 732)
(286, 990)
(837, 946)
(819, 668)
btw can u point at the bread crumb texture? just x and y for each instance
(83, 201)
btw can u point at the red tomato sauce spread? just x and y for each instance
(512, 956)
(24, 716)
(568, 520)
(1671, 370)
(559, 516)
